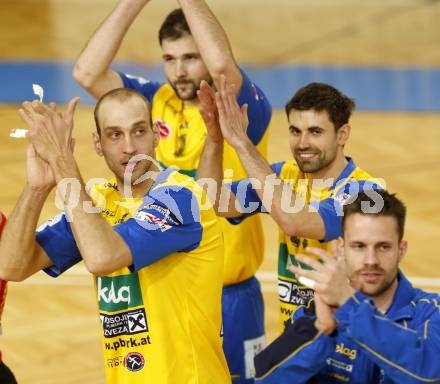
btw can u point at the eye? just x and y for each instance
(140, 131)
(115, 135)
(357, 246)
(384, 247)
(316, 131)
(294, 131)
(168, 59)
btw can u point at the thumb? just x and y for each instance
(71, 110)
(244, 112)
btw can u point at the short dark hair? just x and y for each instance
(323, 97)
(174, 26)
(121, 94)
(366, 204)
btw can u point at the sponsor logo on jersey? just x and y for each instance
(343, 350)
(119, 292)
(134, 361)
(293, 293)
(152, 219)
(339, 364)
(124, 323)
(164, 128)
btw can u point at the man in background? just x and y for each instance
(195, 48)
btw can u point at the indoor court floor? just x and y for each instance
(50, 327)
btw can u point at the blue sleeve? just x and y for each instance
(143, 86)
(168, 222)
(247, 197)
(331, 209)
(56, 238)
(259, 109)
(405, 355)
(296, 356)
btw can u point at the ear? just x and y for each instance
(339, 246)
(343, 134)
(156, 133)
(403, 248)
(97, 143)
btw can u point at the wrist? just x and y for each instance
(345, 296)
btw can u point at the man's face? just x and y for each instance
(314, 141)
(372, 252)
(125, 132)
(184, 66)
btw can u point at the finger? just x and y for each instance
(244, 113)
(326, 257)
(315, 264)
(70, 111)
(53, 106)
(314, 275)
(25, 116)
(72, 143)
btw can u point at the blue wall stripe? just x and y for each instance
(373, 88)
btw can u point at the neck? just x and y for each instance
(384, 300)
(191, 103)
(333, 170)
(140, 190)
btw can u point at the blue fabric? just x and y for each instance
(56, 238)
(168, 222)
(401, 346)
(248, 198)
(243, 319)
(143, 86)
(259, 108)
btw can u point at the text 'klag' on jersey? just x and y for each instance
(161, 317)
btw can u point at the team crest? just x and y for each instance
(134, 361)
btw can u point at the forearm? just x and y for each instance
(210, 177)
(212, 41)
(283, 204)
(101, 248)
(406, 355)
(19, 256)
(94, 61)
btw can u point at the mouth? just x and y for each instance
(306, 155)
(371, 277)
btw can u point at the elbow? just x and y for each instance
(97, 268)
(84, 77)
(12, 275)
(289, 228)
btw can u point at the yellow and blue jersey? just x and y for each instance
(327, 201)
(183, 134)
(160, 317)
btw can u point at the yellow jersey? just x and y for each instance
(183, 133)
(327, 200)
(161, 317)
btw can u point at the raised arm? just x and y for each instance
(92, 69)
(20, 254)
(211, 41)
(276, 195)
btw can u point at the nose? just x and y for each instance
(129, 147)
(180, 69)
(370, 257)
(303, 141)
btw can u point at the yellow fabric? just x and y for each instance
(181, 297)
(182, 149)
(288, 286)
